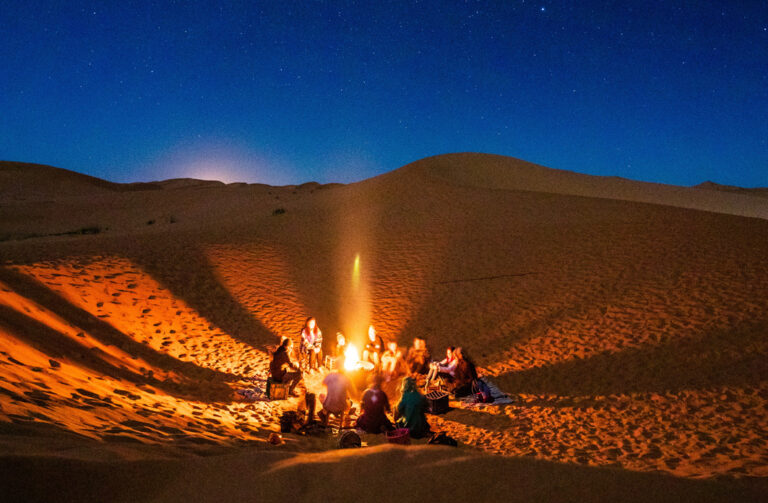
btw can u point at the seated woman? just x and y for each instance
(282, 369)
(465, 374)
(312, 344)
(411, 410)
(445, 369)
(417, 358)
(392, 362)
(375, 405)
(374, 348)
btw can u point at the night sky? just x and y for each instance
(284, 92)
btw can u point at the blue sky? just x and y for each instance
(285, 92)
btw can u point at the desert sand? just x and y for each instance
(627, 320)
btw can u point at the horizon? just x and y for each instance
(330, 182)
(279, 94)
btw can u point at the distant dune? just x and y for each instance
(627, 320)
(506, 173)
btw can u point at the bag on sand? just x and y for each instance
(440, 438)
(481, 391)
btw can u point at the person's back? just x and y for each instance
(277, 367)
(375, 405)
(339, 387)
(411, 410)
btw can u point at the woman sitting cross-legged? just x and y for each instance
(375, 405)
(445, 369)
(411, 410)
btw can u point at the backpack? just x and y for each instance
(481, 391)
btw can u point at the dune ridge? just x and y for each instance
(501, 172)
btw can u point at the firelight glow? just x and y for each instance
(351, 357)
(356, 271)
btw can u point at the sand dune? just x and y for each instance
(631, 335)
(499, 172)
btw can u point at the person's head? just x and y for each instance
(418, 343)
(311, 323)
(340, 339)
(371, 333)
(286, 343)
(409, 385)
(392, 346)
(376, 381)
(458, 354)
(449, 352)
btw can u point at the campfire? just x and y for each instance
(351, 357)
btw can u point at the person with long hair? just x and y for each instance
(312, 343)
(411, 410)
(464, 375)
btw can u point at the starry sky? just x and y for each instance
(285, 92)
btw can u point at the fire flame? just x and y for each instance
(351, 357)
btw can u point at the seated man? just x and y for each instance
(339, 392)
(445, 369)
(418, 357)
(282, 369)
(375, 405)
(392, 362)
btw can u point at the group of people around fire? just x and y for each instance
(456, 372)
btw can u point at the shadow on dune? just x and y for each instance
(421, 473)
(192, 278)
(53, 343)
(724, 357)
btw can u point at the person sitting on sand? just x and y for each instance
(339, 392)
(375, 405)
(417, 358)
(341, 345)
(312, 344)
(445, 369)
(411, 410)
(464, 375)
(374, 348)
(282, 369)
(391, 361)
